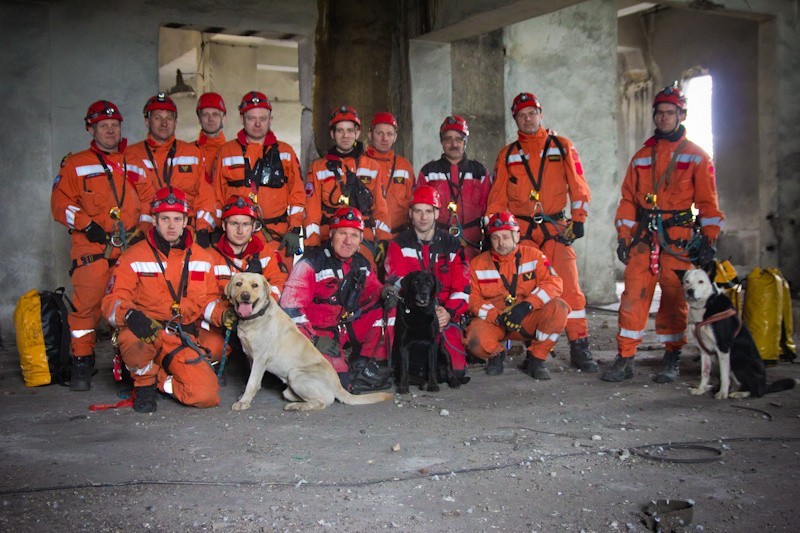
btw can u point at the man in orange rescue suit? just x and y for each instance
(396, 173)
(101, 195)
(241, 249)
(514, 295)
(211, 114)
(655, 226)
(463, 186)
(533, 176)
(171, 162)
(345, 178)
(257, 165)
(160, 288)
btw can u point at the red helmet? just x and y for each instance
(159, 101)
(340, 114)
(239, 205)
(523, 100)
(425, 194)
(384, 117)
(455, 123)
(169, 199)
(101, 110)
(502, 221)
(253, 100)
(211, 100)
(670, 94)
(347, 217)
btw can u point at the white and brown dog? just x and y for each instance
(273, 343)
(724, 339)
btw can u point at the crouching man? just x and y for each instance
(336, 300)
(514, 295)
(161, 287)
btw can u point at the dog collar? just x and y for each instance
(260, 313)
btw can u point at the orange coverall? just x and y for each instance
(537, 283)
(208, 151)
(82, 194)
(397, 184)
(691, 182)
(559, 176)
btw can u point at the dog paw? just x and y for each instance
(430, 387)
(454, 383)
(698, 391)
(721, 395)
(402, 389)
(739, 395)
(240, 406)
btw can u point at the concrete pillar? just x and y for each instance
(431, 97)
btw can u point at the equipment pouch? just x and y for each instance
(268, 171)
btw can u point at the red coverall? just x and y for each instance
(282, 209)
(691, 182)
(559, 176)
(467, 184)
(397, 184)
(179, 164)
(311, 298)
(537, 284)
(208, 152)
(226, 263)
(140, 283)
(444, 258)
(82, 194)
(324, 201)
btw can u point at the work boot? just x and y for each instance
(621, 369)
(369, 375)
(581, 357)
(80, 373)
(144, 399)
(670, 369)
(535, 368)
(494, 366)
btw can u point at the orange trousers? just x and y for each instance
(89, 285)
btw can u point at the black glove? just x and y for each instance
(623, 251)
(390, 296)
(290, 241)
(229, 318)
(254, 266)
(706, 252)
(203, 238)
(512, 318)
(328, 346)
(142, 325)
(380, 252)
(574, 230)
(95, 233)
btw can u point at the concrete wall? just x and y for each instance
(432, 95)
(568, 59)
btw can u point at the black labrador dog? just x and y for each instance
(418, 358)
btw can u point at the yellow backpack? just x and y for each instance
(43, 338)
(768, 314)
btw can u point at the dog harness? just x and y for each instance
(722, 315)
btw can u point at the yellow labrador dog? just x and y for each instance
(274, 344)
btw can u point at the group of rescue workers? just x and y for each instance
(158, 229)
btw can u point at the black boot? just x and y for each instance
(367, 375)
(535, 368)
(581, 357)
(144, 399)
(670, 369)
(80, 373)
(620, 370)
(494, 366)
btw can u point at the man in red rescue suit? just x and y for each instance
(396, 173)
(241, 249)
(463, 185)
(425, 247)
(514, 296)
(257, 165)
(160, 288)
(657, 234)
(533, 176)
(211, 114)
(336, 300)
(344, 177)
(101, 195)
(171, 162)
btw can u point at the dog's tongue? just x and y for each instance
(244, 309)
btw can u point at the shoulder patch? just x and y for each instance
(57, 180)
(64, 159)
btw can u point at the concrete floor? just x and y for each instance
(502, 453)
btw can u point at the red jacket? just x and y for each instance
(397, 185)
(226, 263)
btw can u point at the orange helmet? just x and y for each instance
(239, 205)
(523, 100)
(101, 110)
(670, 94)
(502, 221)
(454, 123)
(159, 101)
(253, 100)
(211, 100)
(347, 217)
(169, 199)
(425, 194)
(340, 114)
(383, 117)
